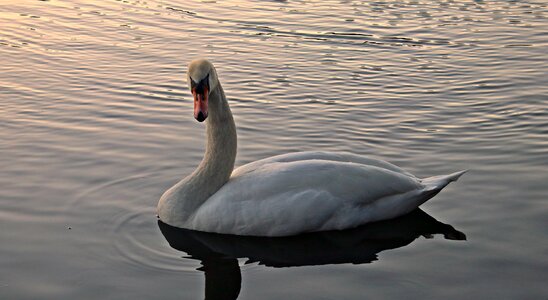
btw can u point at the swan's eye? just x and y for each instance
(192, 82)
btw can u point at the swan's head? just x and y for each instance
(202, 79)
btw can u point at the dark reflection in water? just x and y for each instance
(218, 253)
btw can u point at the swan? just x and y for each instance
(286, 194)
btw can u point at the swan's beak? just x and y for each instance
(200, 104)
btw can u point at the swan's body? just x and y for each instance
(286, 194)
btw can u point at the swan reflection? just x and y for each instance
(218, 253)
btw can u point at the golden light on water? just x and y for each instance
(96, 123)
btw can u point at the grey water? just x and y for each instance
(96, 122)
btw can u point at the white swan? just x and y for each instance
(286, 194)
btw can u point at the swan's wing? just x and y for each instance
(284, 198)
(321, 155)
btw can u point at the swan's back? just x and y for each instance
(283, 195)
(321, 155)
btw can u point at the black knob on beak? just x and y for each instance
(200, 117)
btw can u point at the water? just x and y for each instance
(96, 122)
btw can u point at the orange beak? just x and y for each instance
(200, 104)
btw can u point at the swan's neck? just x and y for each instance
(183, 199)
(218, 162)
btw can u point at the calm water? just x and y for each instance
(96, 122)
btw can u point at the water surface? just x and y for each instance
(96, 122)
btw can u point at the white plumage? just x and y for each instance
(286, 194)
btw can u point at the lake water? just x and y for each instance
(96, 122)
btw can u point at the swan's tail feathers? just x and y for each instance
(436, 183)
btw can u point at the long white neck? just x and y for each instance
(218, 162)
(178, 203)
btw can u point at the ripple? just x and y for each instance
(126, 229)
(96, 122)
(188, 12)
(136, 240)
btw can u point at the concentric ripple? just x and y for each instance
(127, 226)
(96, 123)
